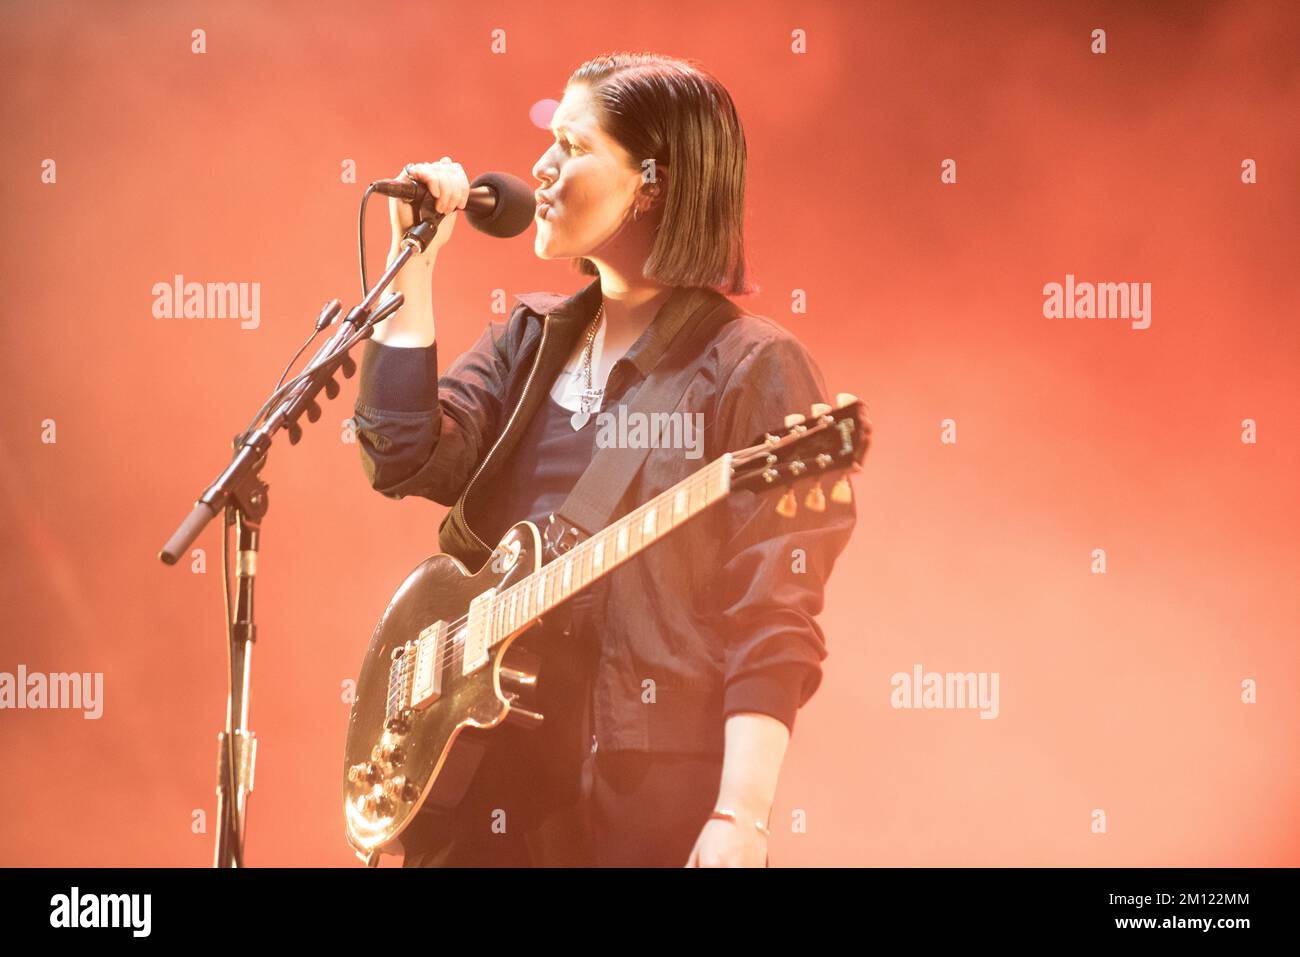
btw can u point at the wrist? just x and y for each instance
(424, 259)
(744, 805)
(741, 819)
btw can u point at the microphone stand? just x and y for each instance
(243, 495)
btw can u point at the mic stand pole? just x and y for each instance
(243, 495)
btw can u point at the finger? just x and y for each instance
(434, 177)
(457, 184)
(444, 193)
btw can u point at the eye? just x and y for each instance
(569, 147)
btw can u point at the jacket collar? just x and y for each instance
(682, 305)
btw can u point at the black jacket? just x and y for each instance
(715, 619)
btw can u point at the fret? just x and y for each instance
(598, 555)
(648, 523)
(579, 554)
(622, 540)
(698, 495)
(679, 504)
(633, 537)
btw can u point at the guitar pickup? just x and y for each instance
(478, 638)
(430, 658)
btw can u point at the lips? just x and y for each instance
(543, 203)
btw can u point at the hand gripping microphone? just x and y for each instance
(499, 204)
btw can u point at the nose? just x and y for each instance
(545, 169)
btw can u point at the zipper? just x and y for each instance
(464, 498)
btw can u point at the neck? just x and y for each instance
(630, 304)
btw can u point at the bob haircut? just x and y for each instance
(672, 111)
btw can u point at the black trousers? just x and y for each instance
(543, 798)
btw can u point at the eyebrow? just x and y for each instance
(556, 130)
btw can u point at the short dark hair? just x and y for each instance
(675, 112)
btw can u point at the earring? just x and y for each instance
(638, 209)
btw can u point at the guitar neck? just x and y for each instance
(532, 597)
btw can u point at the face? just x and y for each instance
(588, 184)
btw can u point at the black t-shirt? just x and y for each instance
(545, 466)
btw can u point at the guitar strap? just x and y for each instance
(600, 489)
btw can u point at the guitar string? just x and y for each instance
(700, 478)
(457, 641)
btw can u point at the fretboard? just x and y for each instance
(532, 597)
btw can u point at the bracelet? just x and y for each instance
(723, 815)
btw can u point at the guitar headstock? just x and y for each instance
(807, 447)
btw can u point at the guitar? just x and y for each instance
(439, 670)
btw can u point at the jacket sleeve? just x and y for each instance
(774, 569)
(421, 434)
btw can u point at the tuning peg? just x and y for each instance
(842, 492)
(787, 506)
(794, 418)
(815, 500)
(845, 398)
(820, 408)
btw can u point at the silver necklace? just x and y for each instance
(590, 397)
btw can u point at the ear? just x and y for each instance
(656, 191)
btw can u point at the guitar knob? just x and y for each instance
(376, 805)
(794, 418)
(820, 408)
(815, 500)
(845, 398)
(400, 789)
(787, 506)
(366, 773)
(842, 492)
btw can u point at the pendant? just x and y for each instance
(590, 399)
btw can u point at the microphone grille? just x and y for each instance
(514, 209)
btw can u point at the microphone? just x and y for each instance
(499, 204)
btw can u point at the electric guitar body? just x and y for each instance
(436, 765)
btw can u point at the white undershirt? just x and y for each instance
(567, 390)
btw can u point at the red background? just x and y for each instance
(1119, 691)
